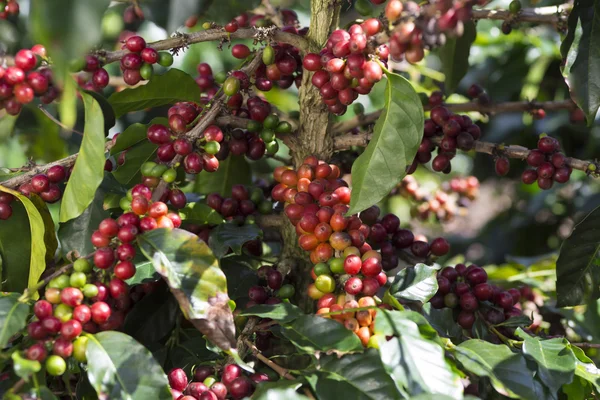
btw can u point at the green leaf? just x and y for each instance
(50, 239)
(577, 276)
(200, 213)
(152, 318)
(129, 172)
(23, 270)
(354, 376)
(416, 362)
(418, 283)
(586, 369)
(396, 139)
(581, 50)
(279, 390)
(74, 235)
(7, 125)
(134, 134)
(107, 110)
(442, 321)
(23, 367)
(283, 312)
(232, 171)
(311, 333)
(555, 361)
(454, 56)
(168, 88)
(46, 394)
(13, 316)
(193, 274)
(144, 271)
(231, 236)
(507, 371)
(124, 369)
(515, 322)
(241, 275)
(88, 170)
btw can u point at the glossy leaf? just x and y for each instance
(88, 170)
(354, 376)
(507, 371)
(193, 274)
(241, 275)
(417, 363)
(232, 171)
(396, 139)
(23, 253)
(577, 276)
(168, 88)
(515, 322)
(13, 316)
(152, 318)
(454, 56)
(200, 213)
(124, 369)
(279, 390)
(107, 110)
(74, 235)
(581, 49)
(586, 369)
(418, 283)
(50, 239)
(129, 173)
(134, 134)
(283, 312)
(311, 333)
(231, 236)
(555, 361)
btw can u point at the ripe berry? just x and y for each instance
(178, 379)
(439, 247)
(502, 166)
(466, 319)
(547, 144)
(100, 312)
(230, 373)
(71, 296)
(25, 59)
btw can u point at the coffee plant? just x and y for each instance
(311, 199)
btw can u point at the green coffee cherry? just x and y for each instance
(271, 121)
(158, 171)
(125, 204)
(231, 86)
(336, 265)
(89, 290)
(146, 71)
(325, 283)
(77, 65)
(267, 135)
(212, 147)
(515, 6)
(82, 265)
(257, 195)
(220, 77)
(272, 147)
(283, 127)
(79, 347)
(169, 175)
(358, 108)
(286, 291)
(254, 126)
(55, 365)
(268, 55)
(77, 279)
(147, 168)
(265, 207)
(63, 312)
(165, 59)
(321, 269)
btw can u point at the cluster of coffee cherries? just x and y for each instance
(137, 65)
(342, 70)
(240, 208)
(282, 65)
(288, 18)
(466, 291)
(456, 132)
(22, 82)
(45, 185)
(449, 200)
(205, 385)
(479, 94)
(549, 164)
(270, 289)
(417, 27)
(72, 304)
(342, 308)
(10, 9)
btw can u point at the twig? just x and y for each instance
(587, 345)
(543, 15)
(57, 122)
(511, 106)
(66, 162)
(279, 369)
(345, 141)
(211, 35)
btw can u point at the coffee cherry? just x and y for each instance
(71, 296)
(466, 319)
(468, 302)
(241, 387)
(547, 145)
(55, 365)
(178, 379)
(439, 247)
(504, 300)
(100, 312)
(502, 166)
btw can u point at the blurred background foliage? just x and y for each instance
(515, 228)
